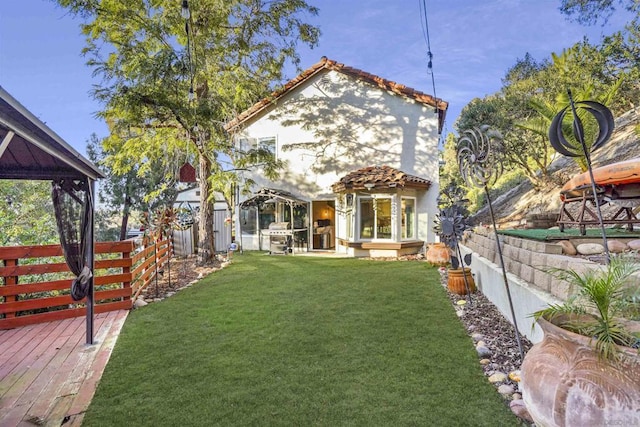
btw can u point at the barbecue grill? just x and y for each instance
(280, 237)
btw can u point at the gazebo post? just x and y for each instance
(91, 258)
(293, 237)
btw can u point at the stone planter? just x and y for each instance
(565, 384)
(438, 254)
(456, 283)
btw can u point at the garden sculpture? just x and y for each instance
(604, 120)
(480, 167)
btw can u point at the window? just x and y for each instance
(299, 215)
(367, 218)
(248, 220)
(268, 144)
(408, 218)
(246, 144)
(375, 218)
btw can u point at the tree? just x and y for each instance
(124, 192)
(26, 213)
(169, 84)
(622, 49)
(581, 69)
(588, 12)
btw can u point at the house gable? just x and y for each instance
(265, 105)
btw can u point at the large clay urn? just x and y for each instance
(456, 281)
(565, 384)
(438, 254)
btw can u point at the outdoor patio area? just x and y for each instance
(48, 374)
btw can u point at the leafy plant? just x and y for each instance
(595, 310)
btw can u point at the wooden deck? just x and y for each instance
(48, 374)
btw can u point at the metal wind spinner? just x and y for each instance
(604, 118)
(600, 113)
(479, 166)
(477, 159)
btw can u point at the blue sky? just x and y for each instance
(473, 44)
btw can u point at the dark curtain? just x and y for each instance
(72, 202)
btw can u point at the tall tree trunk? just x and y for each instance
(126, 209)
(206, 242)
(125, 220)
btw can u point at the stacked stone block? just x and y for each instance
(527, 259)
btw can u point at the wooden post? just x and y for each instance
(10, 280)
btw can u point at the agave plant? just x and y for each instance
(595, 310)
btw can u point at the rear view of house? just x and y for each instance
(361, 156)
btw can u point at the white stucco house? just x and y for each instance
(361, 164)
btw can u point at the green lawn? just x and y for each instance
(299, 341)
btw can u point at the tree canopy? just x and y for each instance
(26, 213)
(533, 92)
(170, 82)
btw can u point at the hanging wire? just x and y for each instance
(425, 31)
(186, 14)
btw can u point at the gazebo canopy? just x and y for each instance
(30, 150)
(270, 195)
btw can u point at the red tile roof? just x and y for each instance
(381, 177)
(328, 64)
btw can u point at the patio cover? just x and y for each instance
(270, 195)
(29, 150)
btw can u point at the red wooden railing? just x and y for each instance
(27, 297)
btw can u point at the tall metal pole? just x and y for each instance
(464, 274)
(504, 275)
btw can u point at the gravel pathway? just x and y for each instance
(488, 328)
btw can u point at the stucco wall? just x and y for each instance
(347, 125)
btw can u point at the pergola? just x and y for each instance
(271, 195)
(30, 150)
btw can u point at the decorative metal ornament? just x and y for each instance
(603, 117)
(450, 225)
(480, 167)
(478, 163)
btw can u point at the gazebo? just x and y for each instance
(30, 150)
(283, 234)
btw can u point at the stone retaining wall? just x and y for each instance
(528, 259)
(531, 287)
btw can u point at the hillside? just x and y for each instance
(512, 207)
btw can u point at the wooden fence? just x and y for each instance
(35, 281)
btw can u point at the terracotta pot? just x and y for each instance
(565, 384)
(438, 254)
(456, 283)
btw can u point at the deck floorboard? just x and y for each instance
(49, 374)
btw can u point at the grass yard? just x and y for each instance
(299, 341)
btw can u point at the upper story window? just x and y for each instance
(268, 143)
(246, 144)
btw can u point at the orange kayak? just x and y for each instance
(620, 173)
